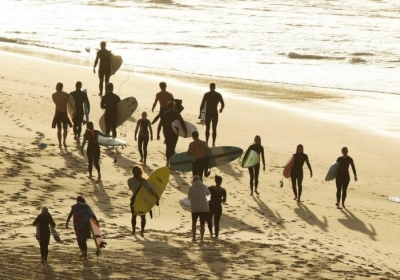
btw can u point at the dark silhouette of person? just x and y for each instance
(163, 97)
(109, 102)
(104, 72)
(80, 97)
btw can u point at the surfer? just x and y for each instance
(143, 126)
(81, 214)
(80, 97)
(163, 97)
(297, 171)
(109, 102)
(210, 101)
(218, 195)
(198, 149)
(171, 138)
(61, 119)
(93, 150)
(197, 196)
(255, 170)
(44, 221)
(134, 184)
(104, 56)
(343, 176)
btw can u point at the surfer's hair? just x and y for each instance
(212, 86)
(80, 199)
(137, 172)
(110, 86)
(59, 86)
(195, 134)
(90, 125)
(45, 210)
(163, 85)
(78, 84)
(103, 44)
(344, 148)
(218, 180)
(171, 105)
(257, 138)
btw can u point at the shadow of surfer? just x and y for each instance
(268, 213)
(308, 216)
(354, 223)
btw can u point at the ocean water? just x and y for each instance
(326, 44)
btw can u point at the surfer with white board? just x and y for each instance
(163, 97)
(254, 171)
(80, 98)
(61, 119)
(104, 72)
(109, 102)
(218, 195)
(198, 149)
(44, 220)
(296, 174)
(143, 126)
(212, 99)
(93, 150)
(134, 184)
(343, 176)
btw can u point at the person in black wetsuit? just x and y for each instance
(104, 56)
(93, 150)
(109, 103)
(255, 170)
(80, 97)
(296, 174)
(211, 100)
(44, 220)
(218, 195)
(143, 126)
(171, 138)
(343, 176)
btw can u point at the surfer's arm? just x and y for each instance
(354, 169)
(159, 128)
(154, 104)
(69, 218)
(262, 157)
(52, 223)
(137, 129)
(309, 165)
(223, 198)
(83, 142)
(96, 61)
(189, 152)
(95, 218)
(102, 134)
(103, 103)
(182, 123)
(36, 221)
(87, 103)
(151, 131)
(222, 103)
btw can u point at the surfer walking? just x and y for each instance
(135, 184)
(171, 138)
(93, 150)
(109, 102)
(143, 126)
(80, 98)
(254, 171)
(343, 176)
(44, 220)
(296, 174)
(104, 72)
(210, 102)
(198, 149)
(61, 119)
(218, 195)
(199, 208)
(81, 213)
(163, 97)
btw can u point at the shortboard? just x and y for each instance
(186, 202)
(216, 156)
(332, 172)
(288, 167)
(203, 114)
(249, 159)
(110, 142)
(178, 129)
(145, 200)
(96, 235)
(71, 106)
(394, 198)
(55, 234)
(116, 62)
(125, 109)
(85, 109)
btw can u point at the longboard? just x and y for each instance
(178, 129)
(125, 109)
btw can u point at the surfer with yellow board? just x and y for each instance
(61, 119)
(254, 171)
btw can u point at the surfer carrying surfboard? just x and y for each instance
(163, 97)
(198, 149)
(254, 171)
(44, 220)
(134, 184)
(296, 174)
(61, 119)
(343, 176)
(197, 196)
(80, 98)
(171, 138)
(109, 103)
(212, 99)
(104, 72)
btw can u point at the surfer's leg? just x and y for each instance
(300, 186)
(294, 188)
(96, 159)
(107, 122)
(217, 217)
(344, 191)
(195, 216)
(256, 174)
(214, 127)
(101, 80)
(209, 221)
(145, 143)
(142, 224)
(338, 190)
(107, 77)
(207, 123)
(90, 165)
(113, 125)
(203, 218)
(140, 146)
(251, 172)
(83, 247)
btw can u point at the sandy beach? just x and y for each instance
(269, 236)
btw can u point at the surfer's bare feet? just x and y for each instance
(142, 234)
(256, 192)
(60, 146)
(213, 144)
(99, 177)
(42, 261)
(133, 232)
(298, 200)
(65, 145)
(100, 94)
(141, 159)
(251, 193)
(193, 239)
(295, 198)
(343, 206)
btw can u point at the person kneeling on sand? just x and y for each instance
(197, 196)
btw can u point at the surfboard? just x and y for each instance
(71, 106)
(125, 109)
(55, 234)
(116, 62)
(332, 172)
(216, 156)
(177, 128)
(85, 108)
(288, 167)
(186, 202)
(145, 200)
(110, 142)
(203, 114)
(394, 198)
(96, 235)
(249, 159)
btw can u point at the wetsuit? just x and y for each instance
(297, 172)
(163, 97)
(218, 195)
(343, 177)
(44, 221)
(212, 98)
(104, 68)
(109, 102)
(171, 138)
(93, 149)
(144, 137)
(255, 170)
(80, 97)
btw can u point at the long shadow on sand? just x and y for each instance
(268, 213)
(354, 223)
(308, 216)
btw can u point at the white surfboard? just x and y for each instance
(178, 129)
(203, 114)
(116, 62)
(186, 202)
(110, 142)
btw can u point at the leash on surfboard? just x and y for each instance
(127, 77)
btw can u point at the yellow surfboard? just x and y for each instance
(145, 200)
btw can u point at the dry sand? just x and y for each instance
(262, 237)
